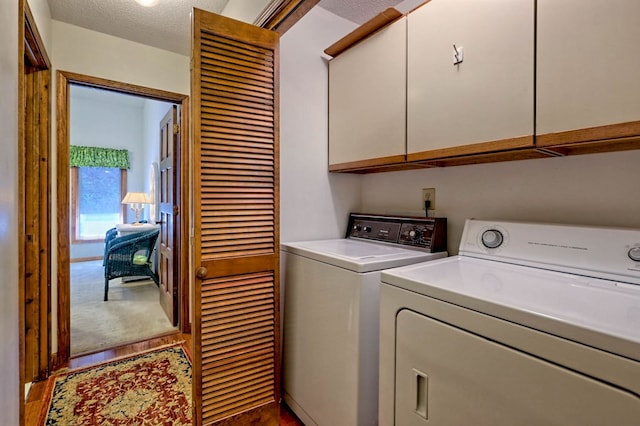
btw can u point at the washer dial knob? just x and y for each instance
(492, 238)
(634, 253)
(414, 234)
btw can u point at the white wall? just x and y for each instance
(407, 6)
(106, 122)
(245, 11)
(42, 16)
(314, 204)
(9, 327)
(95, 54)
(100, 55)
(597, 189)
(114, 121)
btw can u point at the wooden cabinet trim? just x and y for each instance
(364, 31)
(595, 147)
(591, 134)
(365, 164)
(486, 157)
(493, 157)
(476, 148)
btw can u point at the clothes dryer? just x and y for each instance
(531, 324)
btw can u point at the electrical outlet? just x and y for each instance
(429, 194)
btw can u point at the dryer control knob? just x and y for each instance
(634, 254)
(415, 234)
(367, 229)
(492, 238)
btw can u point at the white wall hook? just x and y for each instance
(458, 55)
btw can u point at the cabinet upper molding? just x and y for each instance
(365, 30)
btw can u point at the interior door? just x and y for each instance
(236, 296)
(169, 137)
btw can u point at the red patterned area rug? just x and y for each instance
(151, 388)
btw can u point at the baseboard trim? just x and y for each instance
(85, 259)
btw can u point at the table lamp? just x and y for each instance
(136, 200)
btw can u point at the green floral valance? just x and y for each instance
(89, 156)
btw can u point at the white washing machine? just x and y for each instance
(530, 324)
(331, 305)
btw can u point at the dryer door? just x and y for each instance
(448, 376)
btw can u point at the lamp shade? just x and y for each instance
(136, 198)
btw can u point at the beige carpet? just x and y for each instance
(132, 313)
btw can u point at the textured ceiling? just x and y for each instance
(168, 24)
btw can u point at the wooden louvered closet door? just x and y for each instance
(235, 131)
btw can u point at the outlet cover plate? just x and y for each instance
(429, 194)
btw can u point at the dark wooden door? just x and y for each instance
(169, 137)
(236, 254)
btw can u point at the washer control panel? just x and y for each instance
(634, 253)
(602, 252)
(492, 238)
(428, 233)
(375, 230)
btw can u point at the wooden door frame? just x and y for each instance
(34, 231)
(63, 80)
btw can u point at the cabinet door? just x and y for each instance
(588, 68)
(484, 103)
(367, 100)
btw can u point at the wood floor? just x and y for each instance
(33, 403)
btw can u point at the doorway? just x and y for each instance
(67, 84)
(115, 150)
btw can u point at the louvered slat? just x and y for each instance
(235, 123)
(237, 343)
(233, 70)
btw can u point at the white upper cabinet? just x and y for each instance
(486, 102)
(367, 100)
(588, 66)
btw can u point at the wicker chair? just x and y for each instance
(129, 255)
(108, 237)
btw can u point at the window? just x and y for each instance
(96, 196)
(98, 184)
